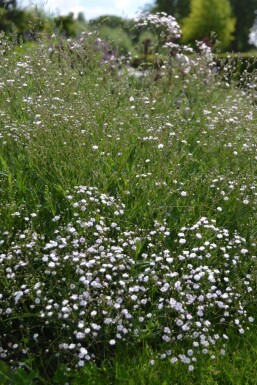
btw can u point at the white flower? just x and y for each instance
(18, 295)
(80, 335)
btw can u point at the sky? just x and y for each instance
(90, 8)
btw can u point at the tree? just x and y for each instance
(13, 20)
(81, 18)
(112, 21)
(245, 13)
(8, 4)
(177, 8)
(206, 17)
(66, 24)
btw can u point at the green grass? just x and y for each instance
(166, 153)
(130, 367)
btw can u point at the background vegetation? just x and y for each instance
(229, 20)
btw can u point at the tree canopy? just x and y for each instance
(207, 17)
(245, 13)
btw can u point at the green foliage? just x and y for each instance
(8, 4)
(118, 23)
(207, 17)
(81, 18)
(110, 21)
(25, 23)
(66, 25)
(28, 23)
(13, 20)
(117, 38)
(245, 14)
(37, 21)
(20, 376)
(135, 367)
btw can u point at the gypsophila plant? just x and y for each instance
(100, 283)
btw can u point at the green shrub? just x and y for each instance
(207, 17)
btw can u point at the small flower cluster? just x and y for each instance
(205, 50)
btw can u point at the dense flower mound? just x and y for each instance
(161, 22)
(101, 281)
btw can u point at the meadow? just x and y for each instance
(128, 220)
